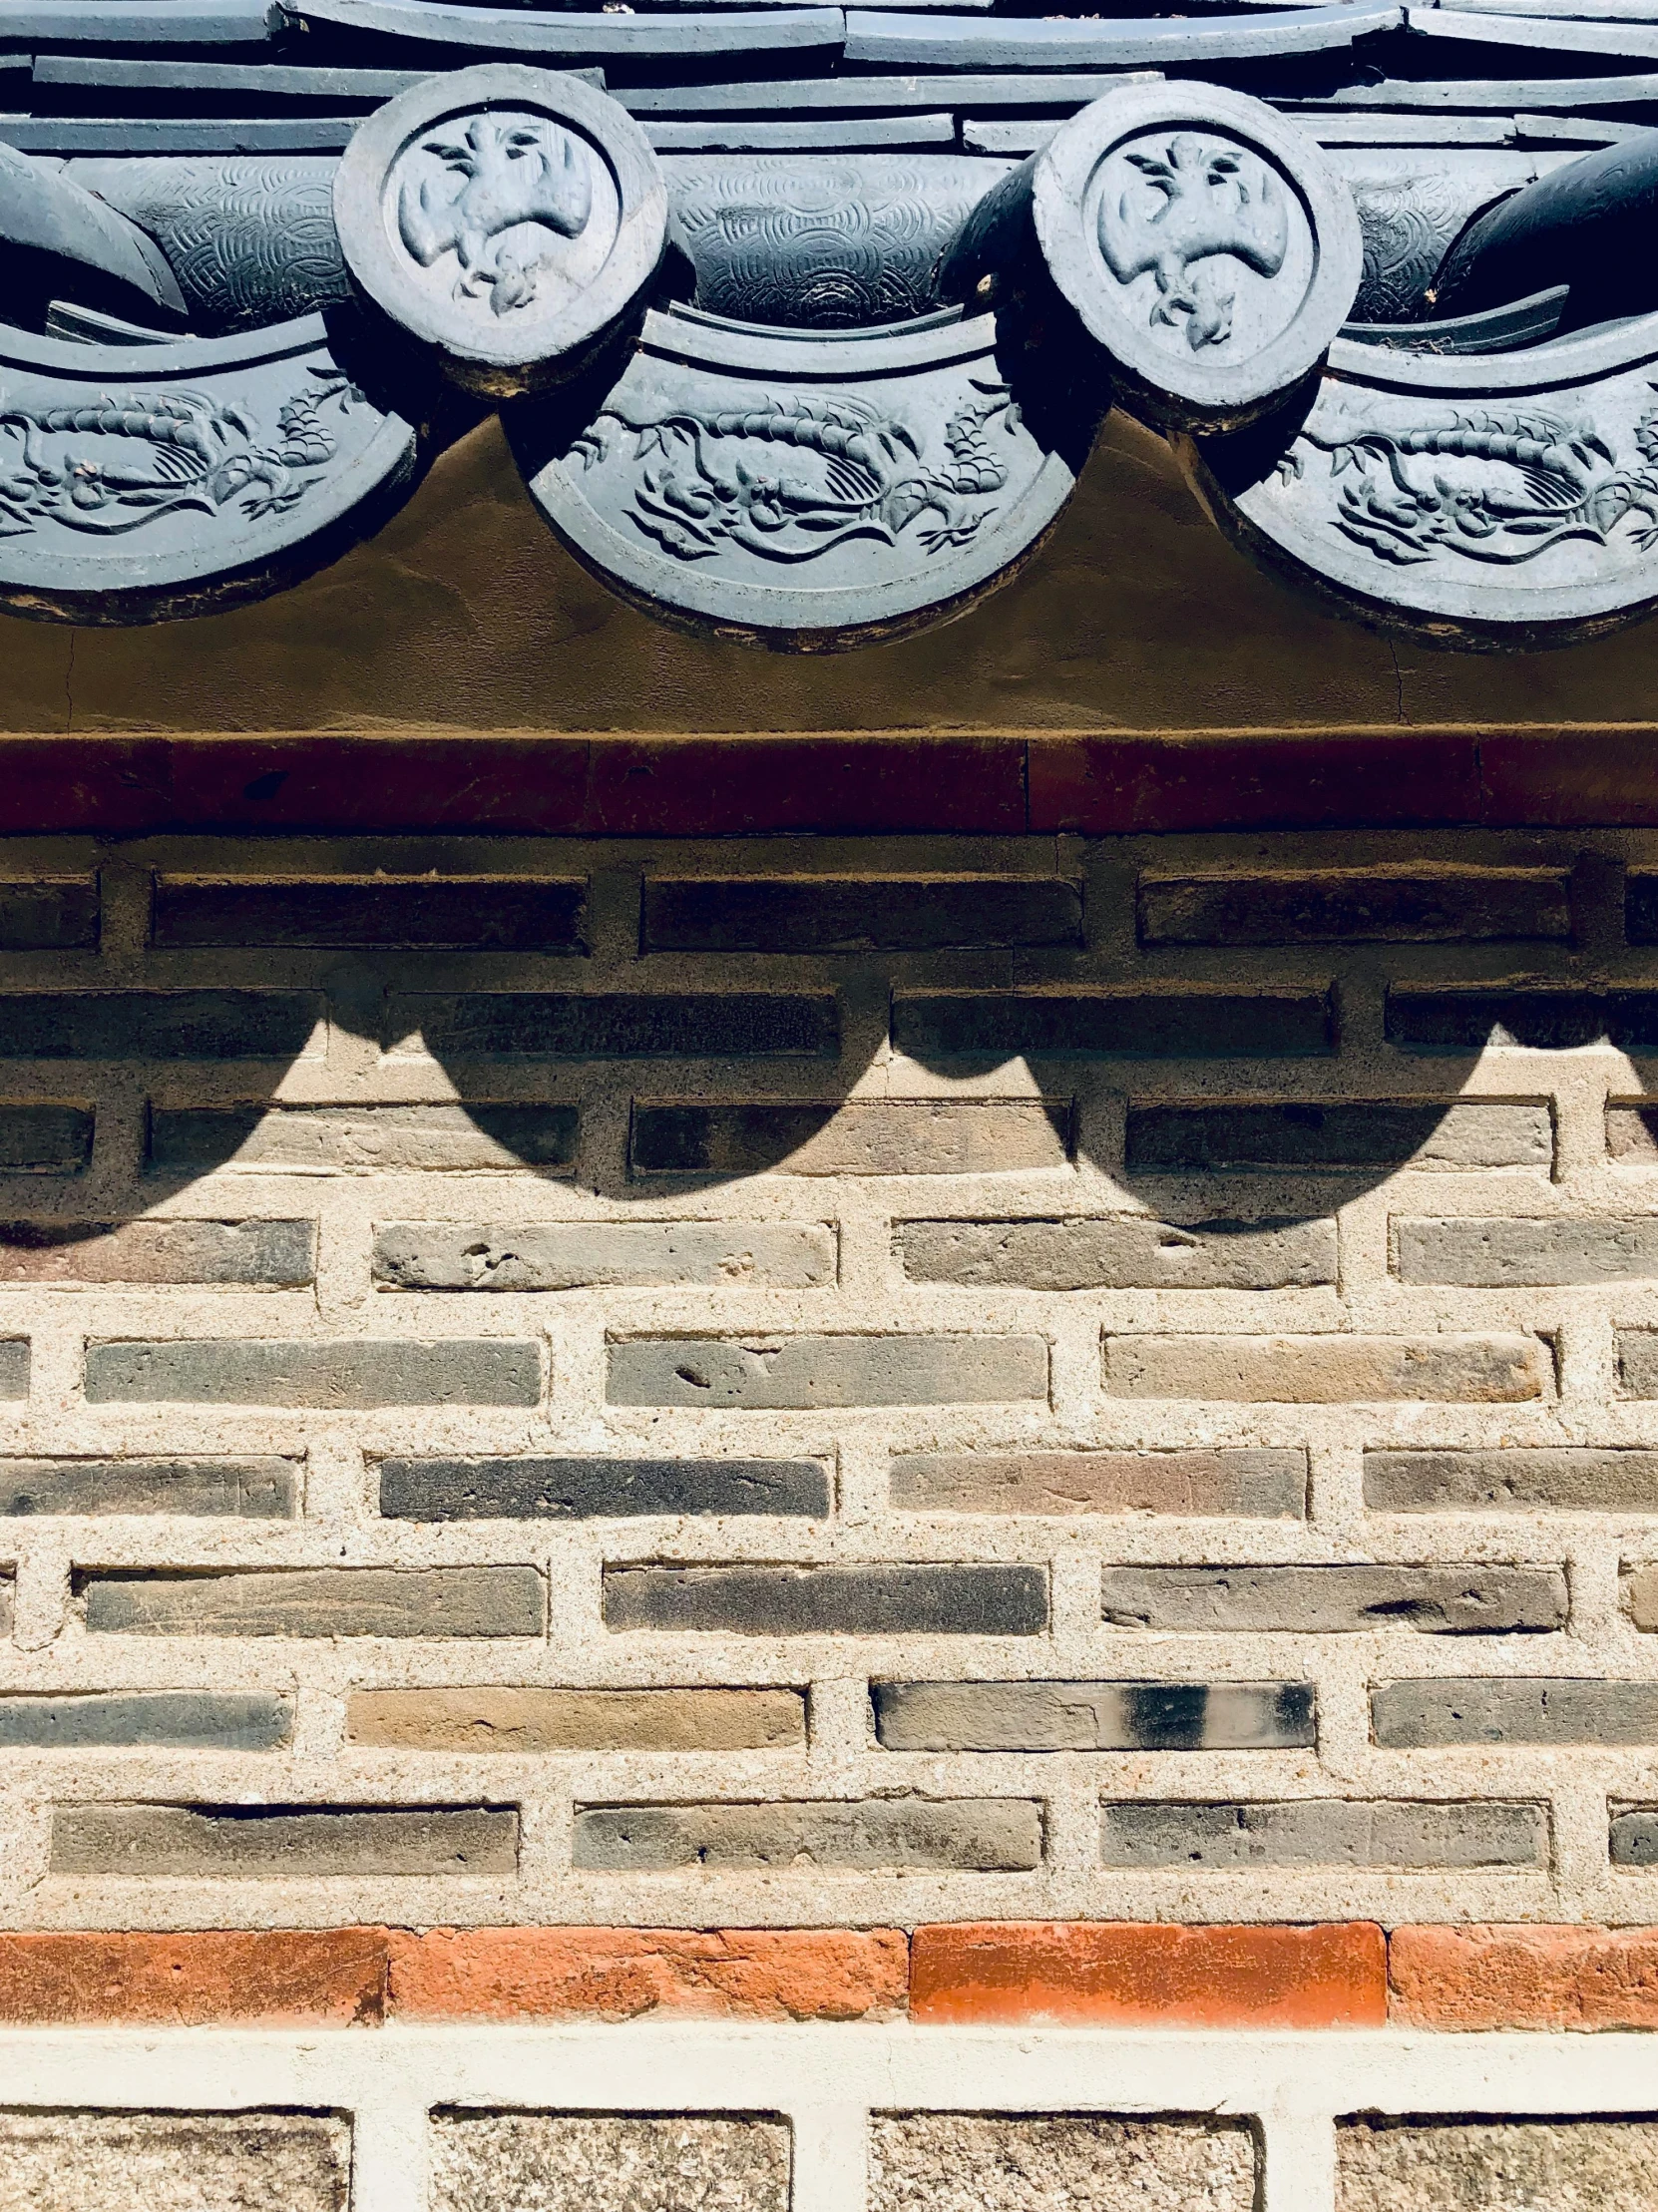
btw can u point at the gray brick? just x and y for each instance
(49, 1139)
(475, 913)
(875, 1600)
(533, 1720)
(1343, 1136)
(571, 1255)
(895, 1137)
(5, 1605)
(598, 1488)
(261, 1488)
(1643, 1598)
(1255, 1483)
(1199, 1022)
(14, 1367)
(257, 1843)
(1336, 1369)
(850, 914)
(191, 1720)
(556, 1025)
(805, 1372)
(1632, 1132)
(1413, 1716)
(1323, 1831)
(1093, 1716)
(1633, 1838)
(1121, 1251)
(1322, 906)
(341, 1374)
(1337, 1601)
(321, 1602)
(158, 1024)
(1449, 1017)
(363, 1139)
(1504, 1253)
(985, 1835)
(1637, 1356)
(1641, 907)
(1516, 1478)
(52, 914)
(272, 1255)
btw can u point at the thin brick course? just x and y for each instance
(265, 1845)
(197, 1720)
(971, 1600)
(592, 1489)
(1120, 1252)
(848, 914)
(1093, 1716)
(907, 1136)
(1415, 1715)
(361, 1139)
(345, 1373)
(323, 1602)
(1354, 905)
(269, 1256)
(1337, 1601)
(1251, 1481)
(597, 1024)
(473, 913)
(264, 1486)
(432, 1255)
(1339, 1137)
(969, 1835)
(1201, 1022)
(1327, 1370)
(767, 1374)
(1323, 1831)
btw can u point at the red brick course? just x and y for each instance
(1527, 1978)
(274, 1978)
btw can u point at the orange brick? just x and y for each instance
(835, 1974)
(1127, 1974)
(1544, 1977)
(277, 1977)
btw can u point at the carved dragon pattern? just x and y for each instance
(202, 453)
(1541, 479)
(874, 482)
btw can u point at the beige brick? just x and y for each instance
(572, 1255)
(1509, 1252)
(1327, 1370)
(893, 1137)
(260, 1845)
(533, 1720)
(1119, 1251)
(272, 1255)
(1245, 1481)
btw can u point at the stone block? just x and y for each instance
(1569, 1477)
(342, 1374)
(805, 1373)
(1323, 1831)
(1322, 906)
(264, 1486)
(1465, 1018)
(1251, 1481)
(988, 1835)
(50, 1139)
(1494, 2165)
(1556, 1979)
(173, 2162)
(469, 913)
(158, 1024)
(600, 1025)
(1121, 1251)
(1343, 1136)
(1637, 1356)
(265, 1255)
(892, 1136)
(577, 1255)
(598, 1488)
(985, 2162)
(52, 914)
(257, 1843)
(1199, 1022)
(525, 1721)
(873, 1601)
(1413, 1716)
(1634, 1837)
(1328, 1370)
(362, 1139)
(193, 1720)
(321, 1602)
(1093, 1716)
(1506, 1253)
(1337, 1601)
(853, 914)
(570, 2163)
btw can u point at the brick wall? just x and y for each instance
(1012, 1389)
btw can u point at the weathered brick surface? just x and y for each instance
(1484, 2165)
(14, 1367)
(1634, 1838)
(585, 1490)
(266, 1846)
(270, 2162)
(323, 1602)
(829, 914)
(45, 1139)
(608, 2162)
(1544, 1017)
(530, 1720)
(361, 1139)
(1332, 905)
(1250, 1481)
(1643, 1597)
(199, 1720)
(270, 1256)
(767, 1374)
(255, 1371)
(830, 1600)
(1566, 1476)
(1637, 1358)
(975, 1836)
(1338, 1137)
(1483, 1977)
(1324, 1832)
(1199, 1023)
(1327, 1370)
(438, 1255)
(1412, 1716)
(909, 1136)
(158, 1024)
(264, 1486)
(1093, 1716)
(554, 1024)
(333, 1978)
(1434, 1601)
(1496, 1253)
(55, 914)
(993, 2162)
(1120, 1252)
(478, 914)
